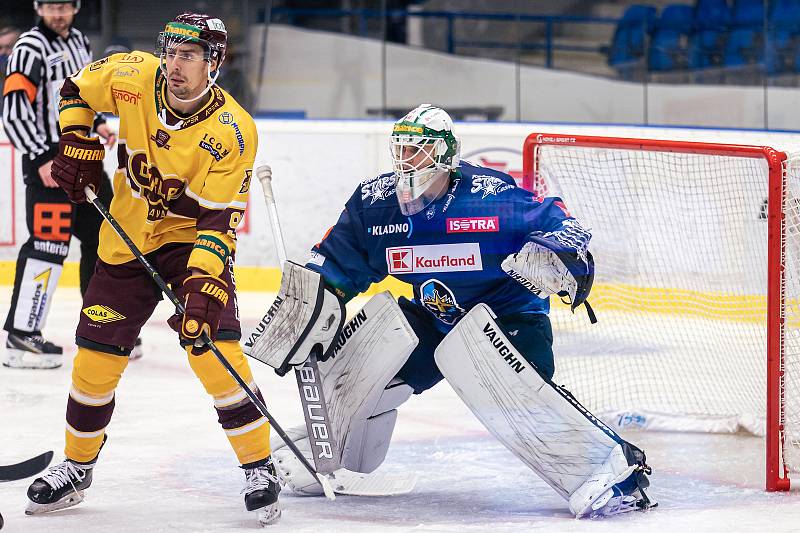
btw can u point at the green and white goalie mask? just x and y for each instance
(424, 152)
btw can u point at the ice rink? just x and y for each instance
(168, 467)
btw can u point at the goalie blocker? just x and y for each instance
(304, 317)
(541, 423)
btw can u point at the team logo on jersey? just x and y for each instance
(437, 298)
(131, 58)
(102, 314)
(213, 147)
(245, 188)
(391, 229)
(487, 185)
(472, 225)
(451, 194)
(379, 188)
(97, 65)
(226, 117)
(126, 72)
(434, 258)
(161, 138)
(126, 96)
(148, 183)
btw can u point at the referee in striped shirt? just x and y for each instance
(40, 61)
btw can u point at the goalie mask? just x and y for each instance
(424, 152)
(193, 28)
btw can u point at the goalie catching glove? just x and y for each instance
(556, 262)
(305, 316)
(206, 297)
(79, 164)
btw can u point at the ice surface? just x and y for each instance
(167, 465)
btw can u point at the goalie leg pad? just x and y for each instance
(368, 439)
(304, 316)
(365, 446)
(539, 422)
(370, 350)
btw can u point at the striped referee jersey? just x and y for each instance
(39, 63)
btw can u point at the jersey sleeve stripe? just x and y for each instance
(208, 204)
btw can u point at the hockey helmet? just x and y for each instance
(424, 152)
(207, 31)
(76, 3)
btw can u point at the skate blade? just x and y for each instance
(67, 501)
(23, 359)
(269, 514)
(620, 505)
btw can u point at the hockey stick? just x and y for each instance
(28, 468)
(179, 307)
(320, 433)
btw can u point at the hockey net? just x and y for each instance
(697, 285)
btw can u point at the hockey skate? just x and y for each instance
(261, 490)
(31, 351)
(60, 487)
(624, 497)
(617, 487)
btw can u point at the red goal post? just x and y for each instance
(659, 271)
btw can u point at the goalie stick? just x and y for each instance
(179, 307)
(28, 468)
(315, 409)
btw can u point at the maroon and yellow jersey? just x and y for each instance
(179, 179)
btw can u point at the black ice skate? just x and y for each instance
(261, 490)
(60, 487)
(31, 351)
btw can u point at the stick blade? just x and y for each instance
(28, 468)
(376, 484)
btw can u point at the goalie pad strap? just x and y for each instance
(539, 422)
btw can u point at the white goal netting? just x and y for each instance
(680, 242)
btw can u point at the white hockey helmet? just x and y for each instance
(424, 152)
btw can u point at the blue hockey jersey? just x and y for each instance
(450, 252)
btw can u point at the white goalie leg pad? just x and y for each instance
(543, 425)
(370, 350)
(303, 316)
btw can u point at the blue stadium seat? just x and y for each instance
(712, 19)
(783, 36)
(712, 15)
(628, 44)
(669, 44)
(748, 14)
(745, 46)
